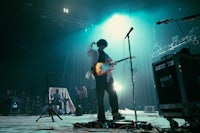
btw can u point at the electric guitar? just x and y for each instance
(102, 68)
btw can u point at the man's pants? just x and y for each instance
(101, 87)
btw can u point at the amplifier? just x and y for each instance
(177, 80)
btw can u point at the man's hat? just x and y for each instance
(102, 42)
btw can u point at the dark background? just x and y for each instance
(32, 56)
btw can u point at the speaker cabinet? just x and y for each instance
(177, 80)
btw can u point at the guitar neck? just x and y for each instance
(101, 68)
(122, 59)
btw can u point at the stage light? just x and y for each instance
(86, 29)
(117, 86)
(65, 10)
(117, 26)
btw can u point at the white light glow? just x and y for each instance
(117, 26)
(117, 86)
(65, 10)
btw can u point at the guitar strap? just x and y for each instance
(101, 56)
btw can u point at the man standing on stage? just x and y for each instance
(104, 82)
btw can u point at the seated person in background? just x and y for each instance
(6, 103)
(56, 99)
(81, 100)
(23, 101)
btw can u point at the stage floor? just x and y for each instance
(27, 123)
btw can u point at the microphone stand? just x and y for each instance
(50, 109)
(134, 103)
(179, 27)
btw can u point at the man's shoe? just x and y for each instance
(102, 120)
(118, 116)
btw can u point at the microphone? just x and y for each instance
(128, 33)
(190, 17)
(164, 21)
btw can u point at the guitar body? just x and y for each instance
(102, 68)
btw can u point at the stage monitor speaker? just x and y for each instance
(177, 80)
